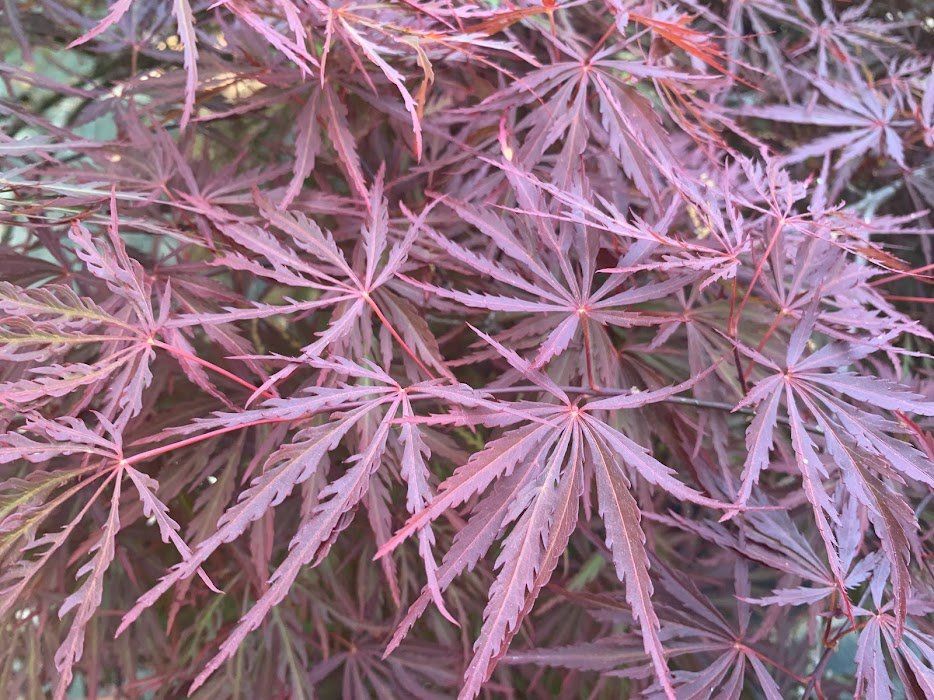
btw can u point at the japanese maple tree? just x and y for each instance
(457, 349)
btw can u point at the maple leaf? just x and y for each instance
(873, 678)
(297, 461)
(567, 301)
(589, 96)
(840, 36)
(545, 467)
(872, 124)
(851, 435)
(691, 621)
(52, 321)
(354, 291)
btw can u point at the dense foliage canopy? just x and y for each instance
(416, 349)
